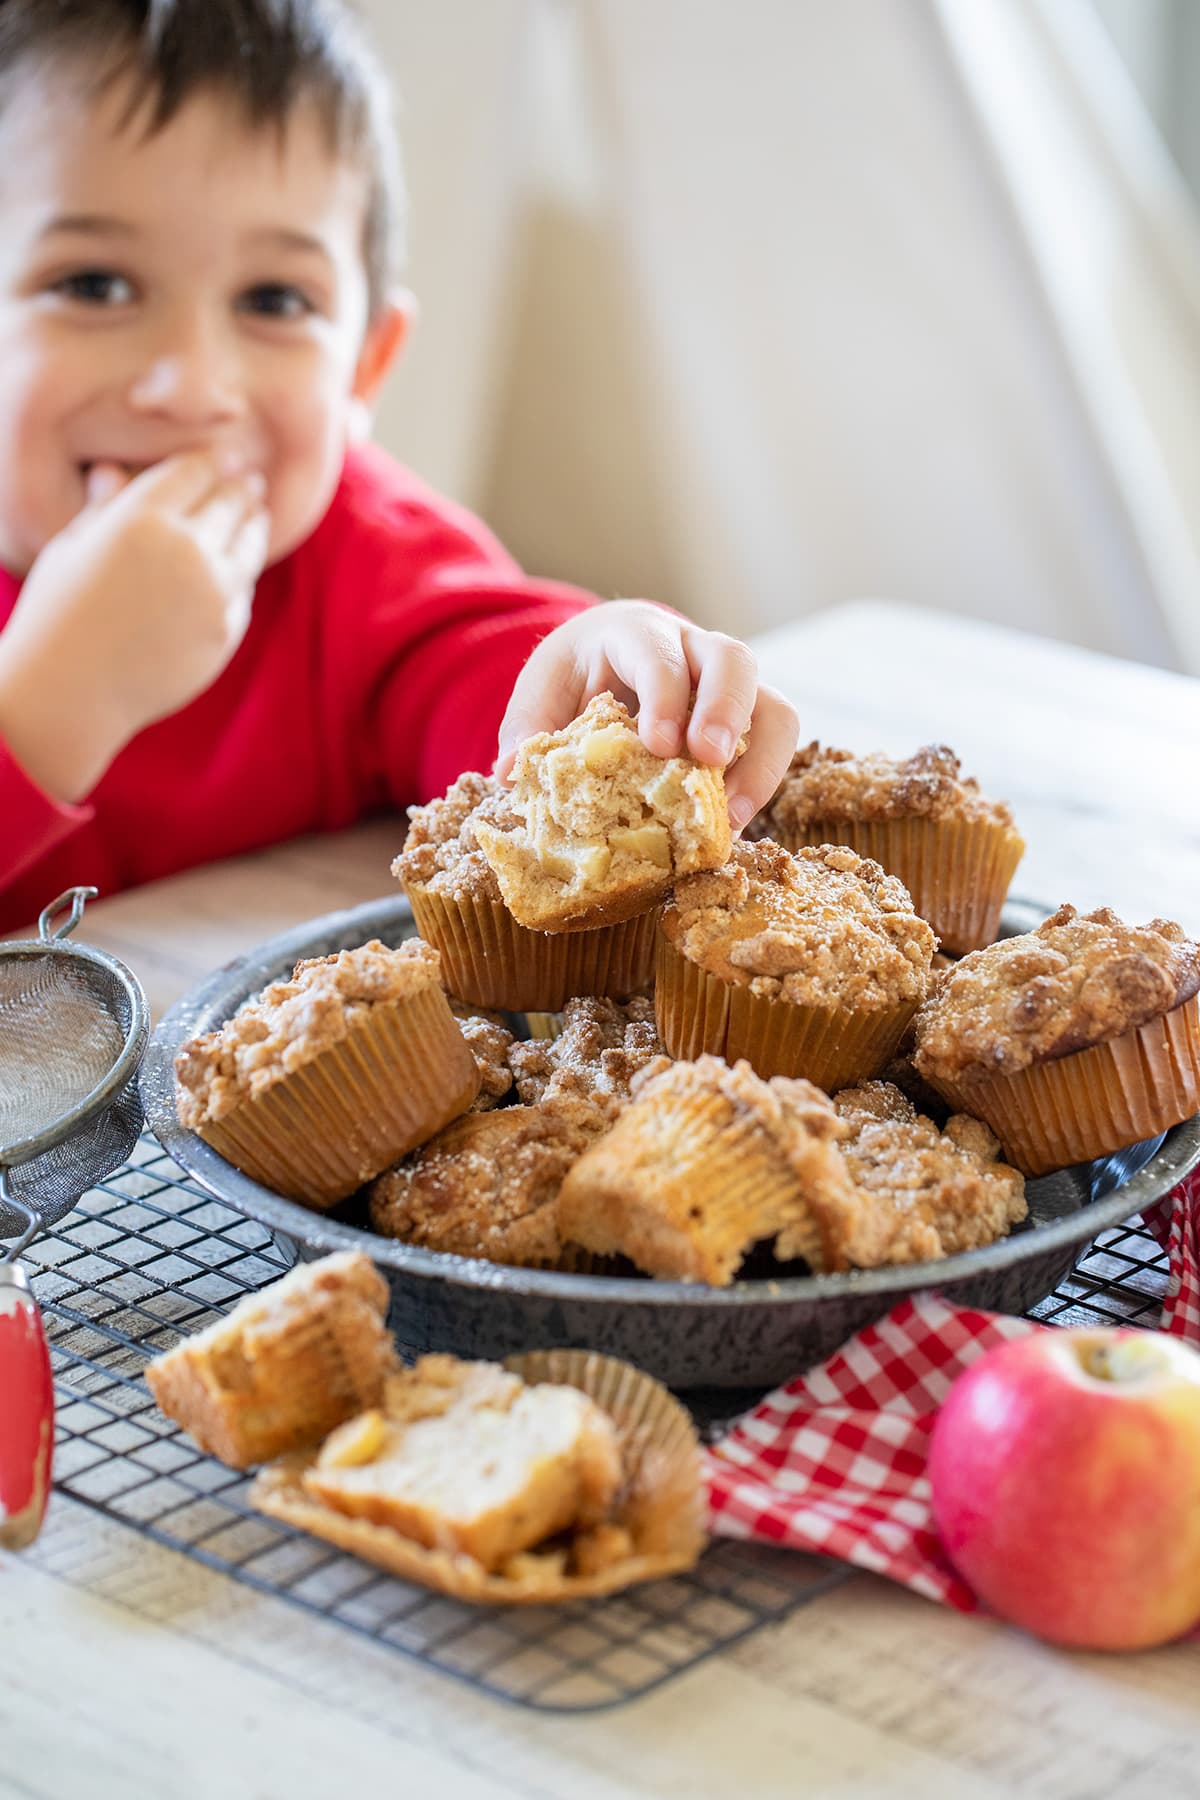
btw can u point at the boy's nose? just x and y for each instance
(190, 386)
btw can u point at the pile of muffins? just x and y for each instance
(807, 1045)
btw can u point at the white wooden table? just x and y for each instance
(127, 1669)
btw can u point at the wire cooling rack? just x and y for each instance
(148, 1257)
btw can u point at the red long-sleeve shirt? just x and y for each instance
(378, 662)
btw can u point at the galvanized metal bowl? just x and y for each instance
(753, 1334)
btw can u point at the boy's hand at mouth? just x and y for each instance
(129, 613)
(655, 662)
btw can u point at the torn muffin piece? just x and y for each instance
(596, 828)
(489, 959)
(285, 1366)
(488, 1186)
(600, 1049)
(466, 1457)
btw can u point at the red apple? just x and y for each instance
(1065, 1469)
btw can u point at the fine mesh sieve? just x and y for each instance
(73, 1026)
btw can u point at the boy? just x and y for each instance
(223, 619)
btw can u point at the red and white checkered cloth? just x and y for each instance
(835, 1461)
(1176, 1225)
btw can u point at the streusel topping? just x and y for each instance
(822, 927)
(488, 1184)
(941, 1192)
(601, 1047)
(826, 784)
(441, 852)
(291, 1022)
(1078, 979)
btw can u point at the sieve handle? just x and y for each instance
(33, 1221)
(76, 898)
(26, 1412)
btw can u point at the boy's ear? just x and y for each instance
(386, 335)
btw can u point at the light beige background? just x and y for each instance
(759, 308)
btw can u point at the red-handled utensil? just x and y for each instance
(73, 1025)
(26, 1411)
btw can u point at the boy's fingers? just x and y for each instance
(247, 553)
(546, 697)
(221, 515)
(103, 480)
(754, 777)
(725, 698)
(653, 664)
(182, 482)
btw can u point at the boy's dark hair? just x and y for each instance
(265, 54)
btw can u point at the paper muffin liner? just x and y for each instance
(490, 960)
(402, 1071)
(1094, 1101)
(661, 1503)
(957, 870)
(573, 1259)
(698, 1013)
(687, 1204)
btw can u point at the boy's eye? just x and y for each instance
(96, 287)
(277, 300)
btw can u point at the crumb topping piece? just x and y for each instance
(821, 927)
(595, 827)
(935, 1192)
(291, 1022)
(1078, 979)
(824, 784)
(488, 1184)
(601, 1047)
(441, 852)
(490, 1043)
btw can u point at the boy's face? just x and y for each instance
(200, 288)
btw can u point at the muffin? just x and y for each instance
(324, 1080)
(955, 850)
(807, 965)
(706, 1161)
(285, 1366)
(596, 827)
(488, 1185)
(488, 959)
(1072, 1040)
(561, 1475)
(599, 1050)
(933, 1191)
